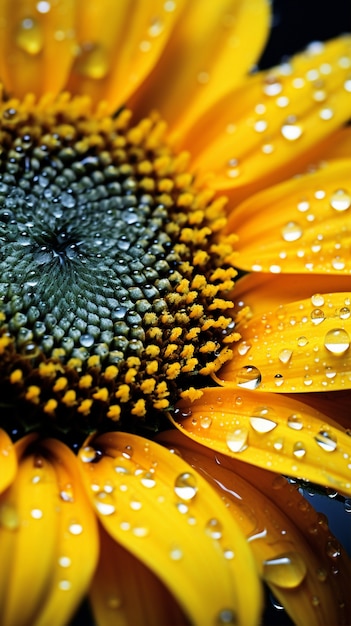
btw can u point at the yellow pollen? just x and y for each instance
(50, 406)
(60, 384)
(101, 394)
(33, 394)
(85, 382)
(85, 406)
(16, 376)
(69, 399)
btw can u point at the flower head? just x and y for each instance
(135, 181)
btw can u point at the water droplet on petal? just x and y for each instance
(29, 36)
(317, 300)
(248, 377)
(295, 421)
(176, 553)
(87, 454)
(185, 486)
(333, 549)
(93, 61)
(286, 570)
(226, 617)
(148, 480)
(340, 200)
(262, 420)
(344, 313)
(236, 440)
(285, 355)
(317, 316)
(272, 86)
(290, 129)
(36, 513)
(337, 341)
(64, 561)
(299, 450)
(292, 231)
(205, 422)
(326, 441)
(214, 528)
(75, 529)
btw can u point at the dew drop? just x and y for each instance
(278, 444)
(295, 421)
(326, 441)
(89, 454)
(185, 486)
(65, 585)
(285, 355)
(29, 36)
(104, 503)
(237, 439)
(344, 313)
(248, 377)
(86, 341)
(228, 554)
(262, 420)
(272, 86)
(292, 231)
(278, 380)
(93, 61)
(299, 450)
(214, 528)
(317, 300)
(243, 348)
(317, 316)
(302, 342)
(176, 553)
(64, 561)
(205, 422)
(333, 549)
(322, 574)
(286, 570)
(340, 200)
(75, 529)
(290, 130)
(128, 452)
(36, 513)
(337, 341)
(148, 480)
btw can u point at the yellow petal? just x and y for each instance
(8, 461)
(124, 591)
(48, 531)
(294, 549)
(272, 431)
(118, 45)
(35, 37)
(301, 226)
(263, 292)
(275, 124)
(212, 48)
(340, 146)
(152, 503)
(299, 347)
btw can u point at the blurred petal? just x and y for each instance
(299, 347)
(274, 125)
(8, 461)
(33, 41)
(301, 226)
(118, 45)
(265, 292)
(272, 431)
(294, 550)
(125, 592)
(153, 504)
(212, 48)
(48, 530)
(340, 146)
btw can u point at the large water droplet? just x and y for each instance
(337, 341)
(285, 355)
(295, 421)
(262, 420)
(236, 440)
(340, 200)
(291, 231)
(291, 130)
(105, 503)
(299, 450)
(248, 377)
(185, 486)
(317, 300)
(88, 454)
(286, 570)
(326, 441)
(317, 316)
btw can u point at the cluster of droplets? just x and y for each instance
(305, 359)
(291, 100)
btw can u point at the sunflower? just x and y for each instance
(175, 258)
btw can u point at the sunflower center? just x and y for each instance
(113, 274)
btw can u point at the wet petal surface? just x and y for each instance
(295, 552)
(45, 503)
(152, 503)
(272, 431)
